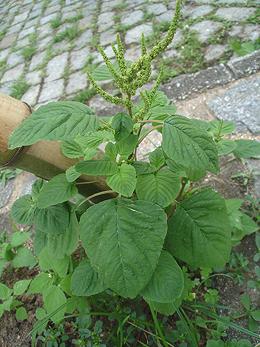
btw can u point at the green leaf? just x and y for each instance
(85, 281)
(54, 299)
(220, 127)
(192, 173)
(168, 308)
(56, 191)
(24, 257)
(23, 210)
(71, 149)
(247, 149)
(160, 187)
(5, 292)
(66, 243)
(19, 238)
(199, 231)
(21, 286)
(21, 314)
(62, 120)
(124, 181)
(48, 261)
(167, 282)
(102, 73)
(256, 315)
(71, 174)
(111, 151)
(54, 219)
(157, 158)
(248, 225)
(226, 147)
(245, 301)
(123, 240)
(94, 139)
(40, 313)
(126, 146)
(40, 283)
(143, 168)
(123, 124)
(97, 167)
(188, 145)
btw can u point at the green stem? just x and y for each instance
(89, 198)
(157, 327)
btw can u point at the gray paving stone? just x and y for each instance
(199, 11)
(157, 9)
(178, 37)
(22, 43)
(214, 52)
(132, 18)
(78, 58)
(37, 59)
(184, 86)
(43, 43)
(52, 9)
(133, 53)
(51, 90)
(235, 14)
(56, 67)
(107, 37)
(30, 23)
(240, 104)
(84, 39)
(85, 22)
(244, 66)
(205, 29)
(26, 32)
(3, 54)
(31, 95)
(77, 81)
(15, 28)
(14, 59)
(21, 17)
(6, 88)
(6, 192)
(33, 77)
(60, 47)
(134, 34)
(251, 31)
(7, 41)
(13, 74)
(102, 107)
(47, 19)
(45, 30)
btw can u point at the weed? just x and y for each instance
(68, 34)
(56, 22)
(85, 95)
(19, 88)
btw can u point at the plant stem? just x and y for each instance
(150, 121)
(148, 132)
(173, 207)
(158, 328)
(89, 198)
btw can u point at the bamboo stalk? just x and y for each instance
(44, 159)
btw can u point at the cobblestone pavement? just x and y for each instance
(46, 45)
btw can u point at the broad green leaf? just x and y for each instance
(40, 313)
(188, 145)
(62, 120)
(247, 149)
(167, 282)
(123, 240)
(60, 245)
(123, 124)
(233, 206)
(54, 219)
(166, 309)
(97, 167)
(199, 230)
(37, 187)
(85, 281)
(55, 300)
(19, 238)
(56, 191)
(71, 174)
(40, 283)
(111, 151)
(126, 146)
(102, 73)
(220, 127)
(21, 286)
(40, 241)
(48, 261)
(256, 315)
(23, 210)
(124, 181)
(143, 168)
(192, 173)
(160, 187)
(162, 112)
(23, 257)
(157, 158)
(71, 149)
(248, 225)
(5, 292)
(21, 314)
(94, 139)
(226, 147)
